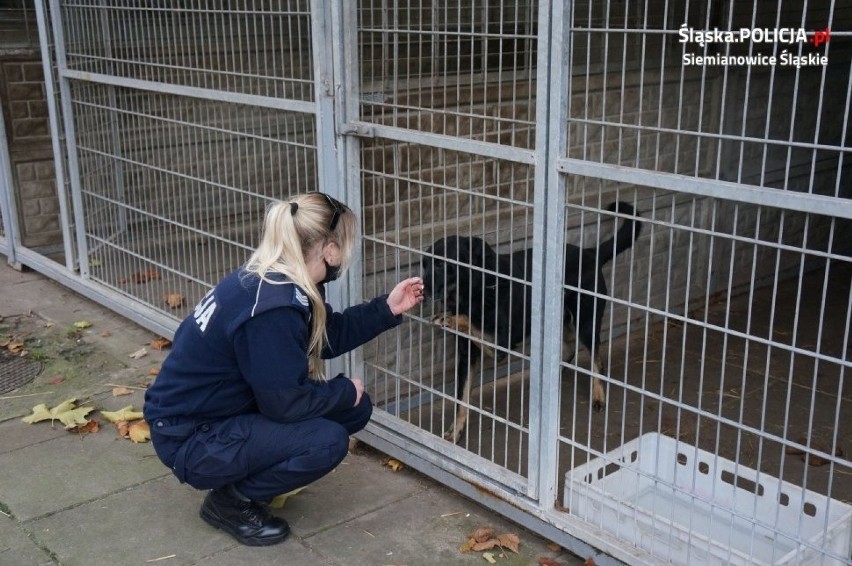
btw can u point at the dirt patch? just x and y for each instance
(73, 363)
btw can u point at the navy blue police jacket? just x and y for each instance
(244, 349)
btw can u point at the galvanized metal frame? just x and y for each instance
(530, 498)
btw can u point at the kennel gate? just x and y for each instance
(517, 122)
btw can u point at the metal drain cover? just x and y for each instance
(16, 372)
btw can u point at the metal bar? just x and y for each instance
(56, 133)
(802, 202)
(8, 210)
(70, 140)
(486, 149)
(191, 91)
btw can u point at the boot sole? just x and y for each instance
(248, 541)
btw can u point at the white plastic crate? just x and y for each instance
(689, 506)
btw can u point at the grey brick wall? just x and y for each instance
(28, 132)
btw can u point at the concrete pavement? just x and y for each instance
(67, 498)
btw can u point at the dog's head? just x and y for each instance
(445, 265)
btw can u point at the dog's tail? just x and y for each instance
(623, 238)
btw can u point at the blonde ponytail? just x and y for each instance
(289, 231)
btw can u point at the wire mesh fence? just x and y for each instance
(635, 239)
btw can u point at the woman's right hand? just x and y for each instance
(359, 390)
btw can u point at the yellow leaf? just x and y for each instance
(279, 501)
(81, 324)
(489, 557)
(139, 431)
(125, 414)
(42, 413)
(75, 417)
(65, 412)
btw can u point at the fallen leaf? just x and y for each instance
(15, 345)
(89, 427)
(467, 546)
(154, 371)
(75, 417)
(140, 353)
(119, 391)
(489, 557)
(481, 534)
(510, 541)
(42, 413)
(56, 380)
(174, 300)
(124, 414)
(279, 500)
(139, 431)
(146, 275)
(160, 344)
(547, 561)
(81, 324)
(106, 334)
(123, 428)
(485, 545)
(590, 561)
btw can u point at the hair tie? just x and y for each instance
(294, 207)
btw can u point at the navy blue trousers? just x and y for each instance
(260, 457)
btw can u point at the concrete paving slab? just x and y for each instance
(359, 485)
(57, 474)
(147, 522)
(425, 529)
(16, 546)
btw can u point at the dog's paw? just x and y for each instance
(452, 435)
(442, 319)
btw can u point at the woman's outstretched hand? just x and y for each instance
(405, 295)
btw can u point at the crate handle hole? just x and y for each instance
(784, 499)
(742, 483)
(608, 470)
(704, 468)
(682, 458)
(809, 509)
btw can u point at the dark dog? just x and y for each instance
(487, 299)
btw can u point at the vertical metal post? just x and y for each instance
(8, 210)
(548, 226)
(53, 116)
(344, 41)
(70, 139)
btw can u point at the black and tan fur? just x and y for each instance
(487, 308)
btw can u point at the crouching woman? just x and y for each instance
(241, 406)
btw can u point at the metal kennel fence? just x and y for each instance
(724, 328)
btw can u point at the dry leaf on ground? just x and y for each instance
(139, 431)
(547, 561)
(66, 412)
(510, 541)
(481, 534)
(124, 414)
(82, 324)
(161, 343)
(489, 557)
(56, 380)
(174, 300)
(119, 391)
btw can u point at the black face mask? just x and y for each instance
(332, 272)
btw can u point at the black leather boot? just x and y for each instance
(247, 521)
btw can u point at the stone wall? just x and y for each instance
(24, 105)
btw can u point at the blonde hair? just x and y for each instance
(290, 230)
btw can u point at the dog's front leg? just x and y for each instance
(598, 393)
(463, 374)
